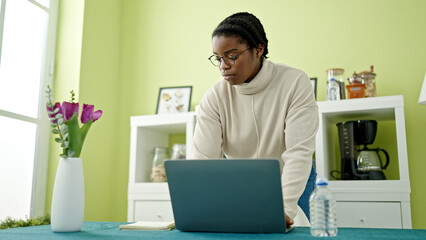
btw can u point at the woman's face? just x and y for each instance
(246, 66)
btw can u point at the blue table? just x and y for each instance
(110, 230)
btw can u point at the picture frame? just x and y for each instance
(174, 100)
(314, 85)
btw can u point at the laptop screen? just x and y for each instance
(226, 195)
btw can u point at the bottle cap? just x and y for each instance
(321, 182)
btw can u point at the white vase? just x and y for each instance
(67, 211)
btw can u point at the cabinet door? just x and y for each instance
(153, 210)
(369, 214)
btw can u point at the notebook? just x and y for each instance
(227, 195)
(146, 225)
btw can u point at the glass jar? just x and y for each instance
(370, 82)
(158, 171)
(179, 151)
(337, 74)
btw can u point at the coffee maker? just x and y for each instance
(360, 162)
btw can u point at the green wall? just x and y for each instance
(67, 72)
(95, 46)
(131, 48)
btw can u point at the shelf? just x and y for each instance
(389, 113)
(150, 131)
(161, 120)
(348, 106)
(150, 201)
(149, 191)
(386, 110)
(399, 186)
(378, 108)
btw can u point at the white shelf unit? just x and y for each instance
(148, 201)
(365, 203)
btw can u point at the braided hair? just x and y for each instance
(246, 27)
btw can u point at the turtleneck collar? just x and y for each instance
(259, 82)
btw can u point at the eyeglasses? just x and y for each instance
(229, 60)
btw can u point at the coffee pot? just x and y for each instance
(370, 160)
(358, 162)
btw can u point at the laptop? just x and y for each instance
(227, 195)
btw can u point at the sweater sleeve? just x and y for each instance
(208, 140)
(301, 125)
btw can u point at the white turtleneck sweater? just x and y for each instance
(273, 116)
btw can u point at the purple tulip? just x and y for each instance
(69, 109)
(57, 105)
(97, 115)
(87, 113)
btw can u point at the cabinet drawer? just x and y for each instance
(148, 210)
(369, 214)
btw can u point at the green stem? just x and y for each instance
(64, 150)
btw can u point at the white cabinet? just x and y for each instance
(378, 203)
(369, 214)
(148, 201)
(153, 210)
(366, 203)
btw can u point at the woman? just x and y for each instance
(259, 110)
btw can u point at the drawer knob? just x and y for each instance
(159, 215)
(362, 220)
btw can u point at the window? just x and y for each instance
(27, 43)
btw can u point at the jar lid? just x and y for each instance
(336, 70)
(369, 73)
(161, 149)
(178, 145)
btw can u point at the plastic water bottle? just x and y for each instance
(322, 210)
(333, 90)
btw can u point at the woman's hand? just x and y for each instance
(288, 221)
